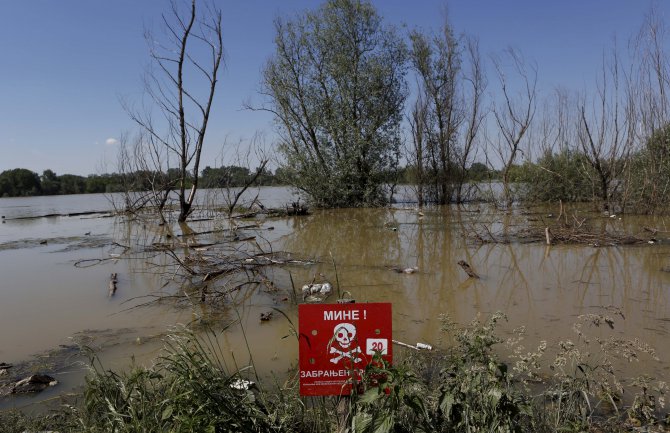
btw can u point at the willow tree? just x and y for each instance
(336, 87)
(181, 85)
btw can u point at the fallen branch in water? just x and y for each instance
(112, 284)
(579, 233)
(468, 269)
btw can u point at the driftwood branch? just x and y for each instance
(468, 269)
(112, 284)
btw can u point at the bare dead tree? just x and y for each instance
(233, 195)
(186, 59)
(135, 197)
(474, 114)
(653, 75)
(153, 162)
(606, 128)
(514, 114)
(437, 61)
(125, 171)
(416, 154)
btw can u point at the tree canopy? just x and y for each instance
(336, 87)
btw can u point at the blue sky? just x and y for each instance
(65, 64)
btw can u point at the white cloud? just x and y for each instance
(111, 141)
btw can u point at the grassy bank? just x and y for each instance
(481, 383)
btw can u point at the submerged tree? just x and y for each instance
(438, 64)
(336, 87)
(606, 130)
(513, 113)
(448, 114)
(181, 86)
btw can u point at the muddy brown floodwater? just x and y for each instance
(47, 301)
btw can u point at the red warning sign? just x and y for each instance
(338, 340)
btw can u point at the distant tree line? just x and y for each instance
(21, 182)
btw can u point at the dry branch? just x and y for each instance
(468, 269)
(580, 233)
(112, 284)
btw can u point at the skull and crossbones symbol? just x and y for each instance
(344, 335)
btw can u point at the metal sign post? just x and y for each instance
(337, 342)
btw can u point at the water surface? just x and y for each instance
(53, 292)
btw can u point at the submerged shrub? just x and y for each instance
(557, 176)
(648, 186)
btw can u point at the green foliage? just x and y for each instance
(649, 178)
(477, 393)
(50, 183)
(393, 401)
(19, 182)
(468, 388)
(72, 184)
(556, 176)
(479, 172)
(437, 61)
(233, 176)
(188, 390)
(336, 87)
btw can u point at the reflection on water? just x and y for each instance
(44, 298)
(542, 288)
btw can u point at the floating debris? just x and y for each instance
(112, 284)
(400, 270)
(346, 301)
(34, 383)
(242, 384)
(320, 289)
(468, 269)
(418, 346)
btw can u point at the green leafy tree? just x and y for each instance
(479, 172)
(336, 87)
(72, 184)
(448, 113)
(19, 182)
(95, 184)
(225, 177)
(50, 183)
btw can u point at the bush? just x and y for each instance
(648, 185)
(556, 176)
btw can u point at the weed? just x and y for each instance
(188, 389)
(468, 388)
